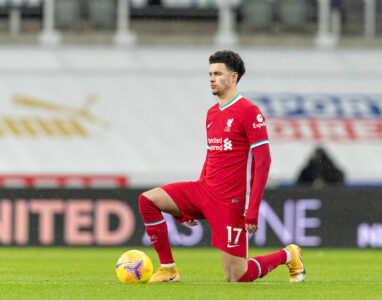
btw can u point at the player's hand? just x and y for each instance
(251, 228)
(191, 223)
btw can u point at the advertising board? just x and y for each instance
(95, 217)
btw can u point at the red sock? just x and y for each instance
(260, 266)
(156, 229)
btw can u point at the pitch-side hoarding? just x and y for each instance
(95, 217)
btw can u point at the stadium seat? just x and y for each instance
(204, 3)
(20, 3)
(33, 2)
(353, 15)
(293, 13)
(102, 13)
(379, 17)
(138, 3)
(258, 13)
(215, 3)
(67, 13)
(177, 3)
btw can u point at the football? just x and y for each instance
(134, 266)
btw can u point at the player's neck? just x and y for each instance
(227, 97)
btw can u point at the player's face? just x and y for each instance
(221, 79)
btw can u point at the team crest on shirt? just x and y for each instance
(229, 124)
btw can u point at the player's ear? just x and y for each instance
(234, 77)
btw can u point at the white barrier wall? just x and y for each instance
(141, 112)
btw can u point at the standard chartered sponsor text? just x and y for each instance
(218, 141)
(215, 140)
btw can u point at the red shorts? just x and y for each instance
(196, 201)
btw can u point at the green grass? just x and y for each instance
(89, 273)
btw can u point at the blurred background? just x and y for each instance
(103, 99)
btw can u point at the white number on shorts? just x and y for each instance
(238, 230)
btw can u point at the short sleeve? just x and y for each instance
(255, 128)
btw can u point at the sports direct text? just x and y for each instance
(321, 117)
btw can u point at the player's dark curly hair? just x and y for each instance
(232, 61)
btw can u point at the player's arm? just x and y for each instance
(262, 163)
(257, 135)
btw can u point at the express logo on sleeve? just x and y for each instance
(259, 119)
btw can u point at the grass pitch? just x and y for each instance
(89, 273)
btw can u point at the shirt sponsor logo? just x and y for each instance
(215, 141)
(255, 125)
(259, 118)
(227, 144)
(220, 145)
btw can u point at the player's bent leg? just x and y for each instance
(260, 266)
(151, 204)
(234, 266)
(163, 201)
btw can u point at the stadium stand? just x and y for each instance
(293, 13)
(67, 14)
(379, 16)
(200, 19)
(14, 9)
(259, 13)
(20, 3)
(102, 13)
(353, 15)
(138, 3)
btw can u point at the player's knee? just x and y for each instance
(231, 275)
(142, 199)
(235, 274)
(144, 203)
(228, 277)
(231, 278)
(234, 277)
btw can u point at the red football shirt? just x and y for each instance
(232, 131)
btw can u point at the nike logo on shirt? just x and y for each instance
(209, 125)
(231, 246)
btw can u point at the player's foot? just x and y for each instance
(296, 268)
(166, 274)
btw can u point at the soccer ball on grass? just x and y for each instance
(134, 267)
